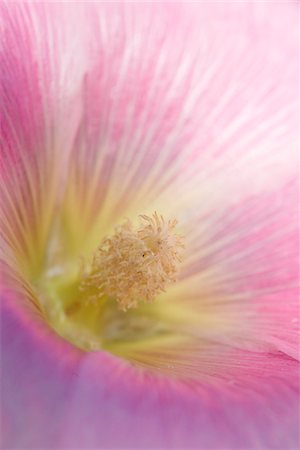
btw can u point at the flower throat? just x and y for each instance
(129, 269)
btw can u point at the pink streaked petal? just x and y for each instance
(56, 397)
(171, 123)
(247, 259)
(35, 97)
(153, 412)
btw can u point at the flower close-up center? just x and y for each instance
(149, 225)
(132, 266)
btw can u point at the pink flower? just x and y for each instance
(115, 110)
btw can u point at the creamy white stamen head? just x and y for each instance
(135, 265)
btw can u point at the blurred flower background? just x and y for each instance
(113, 110)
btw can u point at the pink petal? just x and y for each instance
(36, 377)
(56, 397)
(35, 98)
(248, 257)
(141, 411)
(205, 110)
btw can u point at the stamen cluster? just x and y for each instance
(136, 265)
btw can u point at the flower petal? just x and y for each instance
(245, 266)
(178, 120)
(35, 97)
(96, 401)
(37, 369)
(141, 411)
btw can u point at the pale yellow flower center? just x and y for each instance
(128, 270)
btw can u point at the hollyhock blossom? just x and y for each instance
(130, 131)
